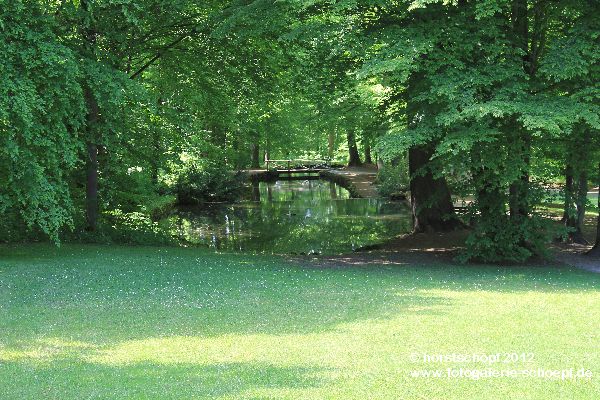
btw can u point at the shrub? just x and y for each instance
(502, 239)
(208, 182)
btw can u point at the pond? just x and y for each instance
(292, 217)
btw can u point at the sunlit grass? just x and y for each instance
(114, 322)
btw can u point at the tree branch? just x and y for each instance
(160, 53)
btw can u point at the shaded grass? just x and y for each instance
(590, 221)
(168, 323)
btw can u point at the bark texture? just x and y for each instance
(255, 149)
(595, 252)
(432, 207)
(353, 156)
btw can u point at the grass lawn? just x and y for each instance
(94, 322)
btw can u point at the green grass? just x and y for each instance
(93, 322)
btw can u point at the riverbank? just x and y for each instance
(359, 181)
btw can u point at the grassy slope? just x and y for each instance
(115, 322)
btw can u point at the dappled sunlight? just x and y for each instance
(45, 349)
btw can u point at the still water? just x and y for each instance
(293, 217)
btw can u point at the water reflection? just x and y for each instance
(311, 216)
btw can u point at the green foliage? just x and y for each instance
(119, 227)
(393, 180)
(149, 82)
(132, 228)
(207, 181)
(41, 113)
(499, 239)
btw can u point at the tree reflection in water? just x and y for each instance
(310, 216)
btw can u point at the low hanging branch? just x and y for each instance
(160, 53)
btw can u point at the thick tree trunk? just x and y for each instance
(353, 156)
(519, 189)
(330, 144)
(89, 35)
(368, 157)
(432, 205)
(569, 190)
(255, 148)
(91, 193)
(577, 185)
(580, 204)
(91, 198)
(574, 213)
(595, 251)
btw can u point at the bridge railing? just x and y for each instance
(289, 163)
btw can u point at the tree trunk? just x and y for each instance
(569, 190)
(330, 144)
(432, 205)
(89, 35)
(595, 251)
(91, 193)
(91, 198)
(353, 156)
(575, 205)
(368, 158)
(379, 163)
(255, 148)
(580, 204)
(519, 189)
(577, 185)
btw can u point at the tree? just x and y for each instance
(41, 116)
(595, 251)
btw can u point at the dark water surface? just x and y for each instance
(310, 216)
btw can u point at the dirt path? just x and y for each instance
(574, 255)
(360, 181)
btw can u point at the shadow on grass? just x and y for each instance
(126, 293)
(122, 322)
(100, 293)
(63, 379)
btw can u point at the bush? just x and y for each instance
(117, 226)
(501, 239)
(208, 182)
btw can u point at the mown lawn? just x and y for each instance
(93, 322)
